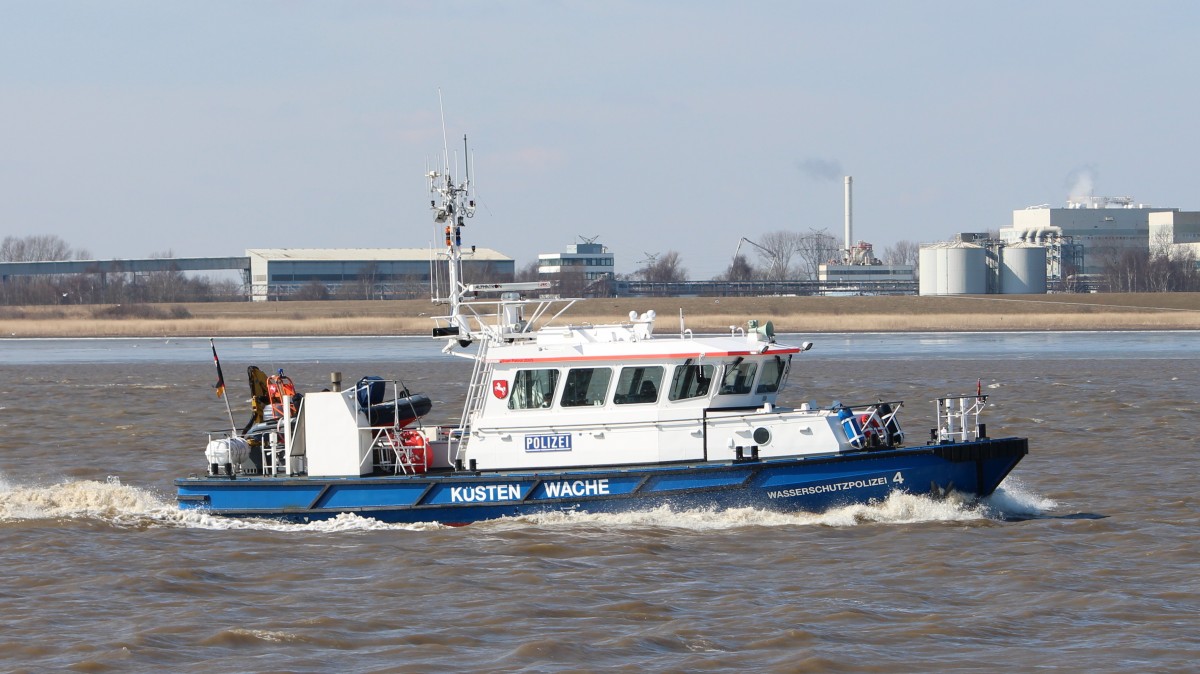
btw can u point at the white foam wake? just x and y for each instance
(1011, 499)
(898, 508)
(1014, 499)
(345, 522)
(82, 499)
(127, 506)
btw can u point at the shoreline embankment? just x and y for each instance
(975, 313)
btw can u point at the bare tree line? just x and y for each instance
(117, 288)
(790, 256)
(39, 248)
(1166, 268)
(97, 287)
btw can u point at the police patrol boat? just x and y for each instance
(592, 418)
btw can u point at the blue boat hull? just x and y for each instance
(810, 484)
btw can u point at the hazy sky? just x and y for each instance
(131, 128)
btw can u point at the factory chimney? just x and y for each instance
(849, 218)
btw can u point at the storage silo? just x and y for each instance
(965, 270)
(1023, 270)
(941, 284)
(928, 266)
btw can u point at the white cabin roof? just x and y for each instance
(587, 347)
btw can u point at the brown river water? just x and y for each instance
(1087, 559)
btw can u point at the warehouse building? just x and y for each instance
(365, 273)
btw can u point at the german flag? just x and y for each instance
(220, 385)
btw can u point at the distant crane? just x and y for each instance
(769, 252)
(773, 256)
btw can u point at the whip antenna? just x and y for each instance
(445, 142)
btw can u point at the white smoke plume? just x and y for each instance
(1081, 183)
(821, 169)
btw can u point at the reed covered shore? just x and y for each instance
(978, 313)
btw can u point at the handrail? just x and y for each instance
(958, 418)
(484, 319)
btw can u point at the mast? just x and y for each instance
(452, 204)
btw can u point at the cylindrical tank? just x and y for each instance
(927, 260)
(965, 270)
(1023, 270)
(940, 285)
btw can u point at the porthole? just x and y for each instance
(762, 436)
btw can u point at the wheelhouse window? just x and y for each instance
(638, 385)
(586, 387)
(738, 378)
(774, 371)
(690, 381)
(532, 389)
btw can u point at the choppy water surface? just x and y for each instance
(1085, 560)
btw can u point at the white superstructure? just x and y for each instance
(617, 394)
(569, 396)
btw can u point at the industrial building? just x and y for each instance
(860, 266)
(591, 263)
(1102, 228)
(591, 259)
(1047, 249)
(384, 273)
(1176, 230)
(859, 269)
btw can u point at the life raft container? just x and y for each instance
(231, 453)
(413, 453)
